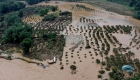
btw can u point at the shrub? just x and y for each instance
(107, 68)
(97, 61)
(9, 57)
(54, 8)
(103, 63)
(43, 12)
(99, 76)
(50, 17)
(26, 44)
(73, 67)
(101, 71)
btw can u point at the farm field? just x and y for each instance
(91, 38)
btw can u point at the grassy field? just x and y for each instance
(110, 6)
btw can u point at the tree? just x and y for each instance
(17, 33)
(9, 6)
(73, 68)
(101, 71)
(1, 18)
(97, 61)
(136, 78)
(26, 44)
(43, 12)
(47, 1)
(54, 8)
(13, 19)
(50, 17)
(31, 2)
(20, 13)
(99, 76)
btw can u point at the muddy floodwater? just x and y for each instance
(87, 69)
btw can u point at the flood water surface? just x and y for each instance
(87, 69)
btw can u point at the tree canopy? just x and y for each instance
(43, 12)
(73, 67)
(50, 17)
(10, 6)
(31, 2)
(17, 33)
(26, 44)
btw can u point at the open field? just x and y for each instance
(110, 6)
(92, 34)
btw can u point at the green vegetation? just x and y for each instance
(26, 44)
(50, 17)
(40, 42)
(79, 7)
(134, 4)
(136, 78)
(17, 33)
(97, 61)
(43, 12)
(87, 45)
(54, 8)
(31, 2)
(10, 6)
(73, 68)
(72, 0)
(101, 71)
(99, 76)
(115, 63)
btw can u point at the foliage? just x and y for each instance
(135, 4)
(136, 78)
(97, 61)
(73, 67)
(50, 17)
(43, 12)
(20, 13)
(99, 76)
(31, 2)
(9, 6)
(26, 44)
(17, 33)
(54, 8)
(13, 20)
(64, 13)
(51, 36)
(73, 0)
(101, 71)
(9, 57)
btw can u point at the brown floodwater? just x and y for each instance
(87, 69)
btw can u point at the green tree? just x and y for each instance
(26, 44)
(50, 17)
(20, 13)
(1, 18)
(73, 68)
(43, 12)
(17, 33)
(31, 2)
(13, 19)
(54, 8)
